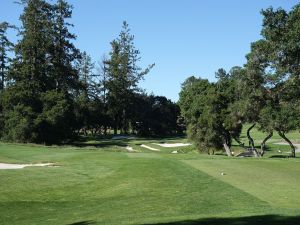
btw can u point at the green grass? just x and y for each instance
(99, 182)
(274, 181)
(137, 188)
(258, 136)
(273, 149)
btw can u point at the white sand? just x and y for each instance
(8, 166)
(150, 148)
(172, 145)
(130, 149)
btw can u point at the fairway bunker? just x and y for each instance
(130, 149)
(9, 166)
(149, 148)
(173, 145)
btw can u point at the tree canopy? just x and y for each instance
(51, 92)
(265, 91)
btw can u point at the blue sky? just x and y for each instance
(182, 37)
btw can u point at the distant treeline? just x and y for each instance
(50, 91)
(265, 92)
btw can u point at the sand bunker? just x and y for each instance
(8, 166)
(130, 149)
(172, 145)
(150, 148)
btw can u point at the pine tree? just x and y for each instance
(28, 74)
(85, 71)
(123, 77)
(5, 47)
(63, 53)
(38, 105)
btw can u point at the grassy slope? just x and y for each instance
(102, 184)
(108, 188)
(275, 181)
(259, 136)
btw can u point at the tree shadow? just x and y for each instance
(251, 220)
(102, 144)
(283, 156)
(95, 142)
(279, 156)
(90, 222)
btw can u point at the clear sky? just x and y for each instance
(183, 37)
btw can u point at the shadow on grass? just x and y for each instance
(83, 223)
(251, 220)
(279, 156)
(103, 142)
(283, 157)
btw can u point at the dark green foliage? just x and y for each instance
(279, 63)
(19, 125)
(63, 52)
(42, 78)
(154, 116)
(209, 111)
(5, 47)
(53, 124)
(123, 75)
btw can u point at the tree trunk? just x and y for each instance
(290, 143)
(2, 69)
(227, 149)
(2, 80)
(105, 130)
(263, 144)
(255, 152)
(251, 142)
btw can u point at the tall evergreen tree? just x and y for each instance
(5, 47)
(123, 77)
(28, 73)
(86, 75)
(63, 54)
(38, 101)
(85, 93)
